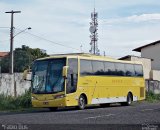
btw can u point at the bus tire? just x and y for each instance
(129, 100)
(53, 108)
(82, 102)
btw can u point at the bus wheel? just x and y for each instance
(53, 108)
(81, 102)
(129, 100)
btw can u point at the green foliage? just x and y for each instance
(11, 103)
(151, 97)
(5, 65)
(23, 57)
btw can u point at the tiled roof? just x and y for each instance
(3, 54)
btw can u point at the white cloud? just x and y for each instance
(67, 22)
(133, 19)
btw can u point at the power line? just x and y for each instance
(57, 43)
(4, 27)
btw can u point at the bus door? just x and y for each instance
(71, 83)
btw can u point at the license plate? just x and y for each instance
(45, 103)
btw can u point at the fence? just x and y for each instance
(13, 84)
(153, 86)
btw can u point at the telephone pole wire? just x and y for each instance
(11, 41)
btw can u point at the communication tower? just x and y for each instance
(94, 35)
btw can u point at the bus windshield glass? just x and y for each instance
(47, 76)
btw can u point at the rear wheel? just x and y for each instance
(129, 100)
(53, 108)
(81, 102)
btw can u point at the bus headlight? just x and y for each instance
(59, 96)
(33, 98)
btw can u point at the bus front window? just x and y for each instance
(55, 80)
(47, 76)
(39, 77)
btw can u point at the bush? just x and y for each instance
(12, 103)
(150, 96)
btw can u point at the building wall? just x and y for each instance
(153, 86)
(155, 75)
(152, 53)
(13, 85)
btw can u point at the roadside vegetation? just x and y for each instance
(151, 97)
(22, 102)
(15, 103)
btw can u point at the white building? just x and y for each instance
(152, 51)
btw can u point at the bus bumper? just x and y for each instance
(61, 102)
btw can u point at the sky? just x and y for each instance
(62, 26)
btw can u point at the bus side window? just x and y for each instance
(86, 68)
(98, 68)
(109, 68)
(130, 70)
(120, 69)
(72, 76)
(138, 70)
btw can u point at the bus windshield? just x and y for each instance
(47, 76)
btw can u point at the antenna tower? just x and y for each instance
(94, 35)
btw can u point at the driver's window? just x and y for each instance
(72, 76)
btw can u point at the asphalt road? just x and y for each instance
(136, 114)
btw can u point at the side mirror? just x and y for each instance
(27, 75)
(65, 71)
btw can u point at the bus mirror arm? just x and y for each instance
(27, 75)
(65, 71)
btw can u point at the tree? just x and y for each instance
(23, 57)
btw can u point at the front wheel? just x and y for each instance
(81, 102)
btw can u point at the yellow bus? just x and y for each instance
(85, 79)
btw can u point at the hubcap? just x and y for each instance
(81, 102)
(129, 100)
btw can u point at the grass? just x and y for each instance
(151, 97)
(15, 103)
(23, 102)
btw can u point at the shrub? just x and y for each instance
(12, 103)
(150, 96)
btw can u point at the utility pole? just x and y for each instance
(11, 41)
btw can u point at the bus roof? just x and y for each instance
(88, 56)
